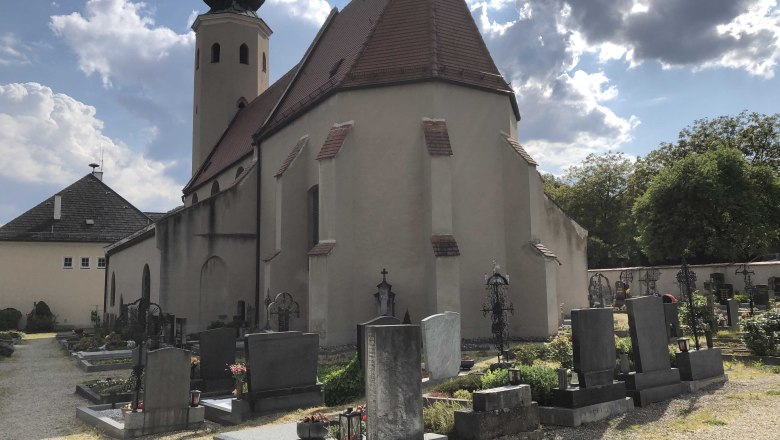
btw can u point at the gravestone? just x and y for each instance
(732, 313)
(441, 343)
(393, 383)
(499, 412)
(217, 352)
(761, 295)
(654, 380)
(598, 394)
(672, 318)
(361, 335)
(774, 287)
(282, 373)
(166, 395)
(725, 292)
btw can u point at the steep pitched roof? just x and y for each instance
(383, 42)
(87, 199)
(437, 138)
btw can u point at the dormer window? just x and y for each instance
(243, 54)
(215, 53)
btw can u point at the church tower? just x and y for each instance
(231, 68)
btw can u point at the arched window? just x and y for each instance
(195, 198)
(215, 53)
(265, 63)
(239, 171)
(197, 59)
(146, 288)
(243, 54)
(314, 215)
(113, 290)
(214, 187)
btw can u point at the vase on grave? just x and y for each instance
(239, 391)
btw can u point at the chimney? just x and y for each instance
(98, 174)
(57, 207)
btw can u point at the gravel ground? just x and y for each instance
(37, 401)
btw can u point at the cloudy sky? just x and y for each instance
(85, 78)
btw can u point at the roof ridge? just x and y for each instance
(118, 195)
(364, 45)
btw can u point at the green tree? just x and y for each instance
(595, 194)
(713, 206)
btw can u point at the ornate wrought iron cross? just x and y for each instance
(497, 286)
(686, 278)
(599, 291)
(286, 308)
(651, 276)
(143, 321)
(749, 289)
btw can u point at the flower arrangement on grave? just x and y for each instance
(194, 364)
(238, 370)
(129, 407)
(317, 417)
(313, 426)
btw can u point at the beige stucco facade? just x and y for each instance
(34, 271)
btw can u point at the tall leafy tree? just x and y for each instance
(713, 205)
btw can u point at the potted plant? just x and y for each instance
(238, 370)
(314, 426)
(466, 363)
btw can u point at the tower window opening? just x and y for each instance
(314, 215)
(243, 54)
(197, 59)
(215, 53)
(214, 188)
(265, 63)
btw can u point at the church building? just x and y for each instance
(392, 145)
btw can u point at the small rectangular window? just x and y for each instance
(67, 262)
(101, 262)
(85, 262)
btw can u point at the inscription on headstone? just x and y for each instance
(361, 335)
(393, 383)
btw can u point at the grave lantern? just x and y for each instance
(514, 376)
(682, 344)
(349, 425)
(194, 398)
(385, 298)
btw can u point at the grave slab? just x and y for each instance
(700, 364)
(361, 335)
(655, 394)
(582, 397)
(694, 386)
(394, 382)
(521, 422)
(553, 415)
(441, 343)
(506, 397)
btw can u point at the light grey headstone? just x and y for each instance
(217, 352)
(167, 379)
(281, 360)
(361, 335)
(648, 333)
(394, 383)
(441, 343)
(593, 341)
(732, 313)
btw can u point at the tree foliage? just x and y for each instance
(712, 194)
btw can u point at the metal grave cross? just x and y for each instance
(687, 278)
(651, 276)
(746, 272)
(286, 308)
(497, 286)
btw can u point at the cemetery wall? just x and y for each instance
(70, 293)
(667, 283)
(126, 266)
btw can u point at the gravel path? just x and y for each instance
(37, 399)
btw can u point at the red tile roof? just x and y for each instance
(293, 154)
(546, 253)
(445, 246)
(437, 138)
(272, 255)
(323, 248)
(334, 141)
(520, 150)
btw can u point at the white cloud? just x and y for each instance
(12, 51)
(48, 137)
(313, 11)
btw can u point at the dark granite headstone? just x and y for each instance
(281, 360)
(394, 383)
(167, 379)
(593, 338)
(732, 313)
(361, 335)
(726, 291)
(648, 333)
(217, 352)
(761, 295)
(672, 317)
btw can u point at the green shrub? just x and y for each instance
(762, 333)
(468, 382)
(542, 380)
(526, 354)
(495, 379)
(216, 324)
(560, 349)
(86, 343)
(344, 384)
(114, 342)
(463, 394)
(440, 417)
(701, 312)
(40, 319)
(9, 319)
(741, 297)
